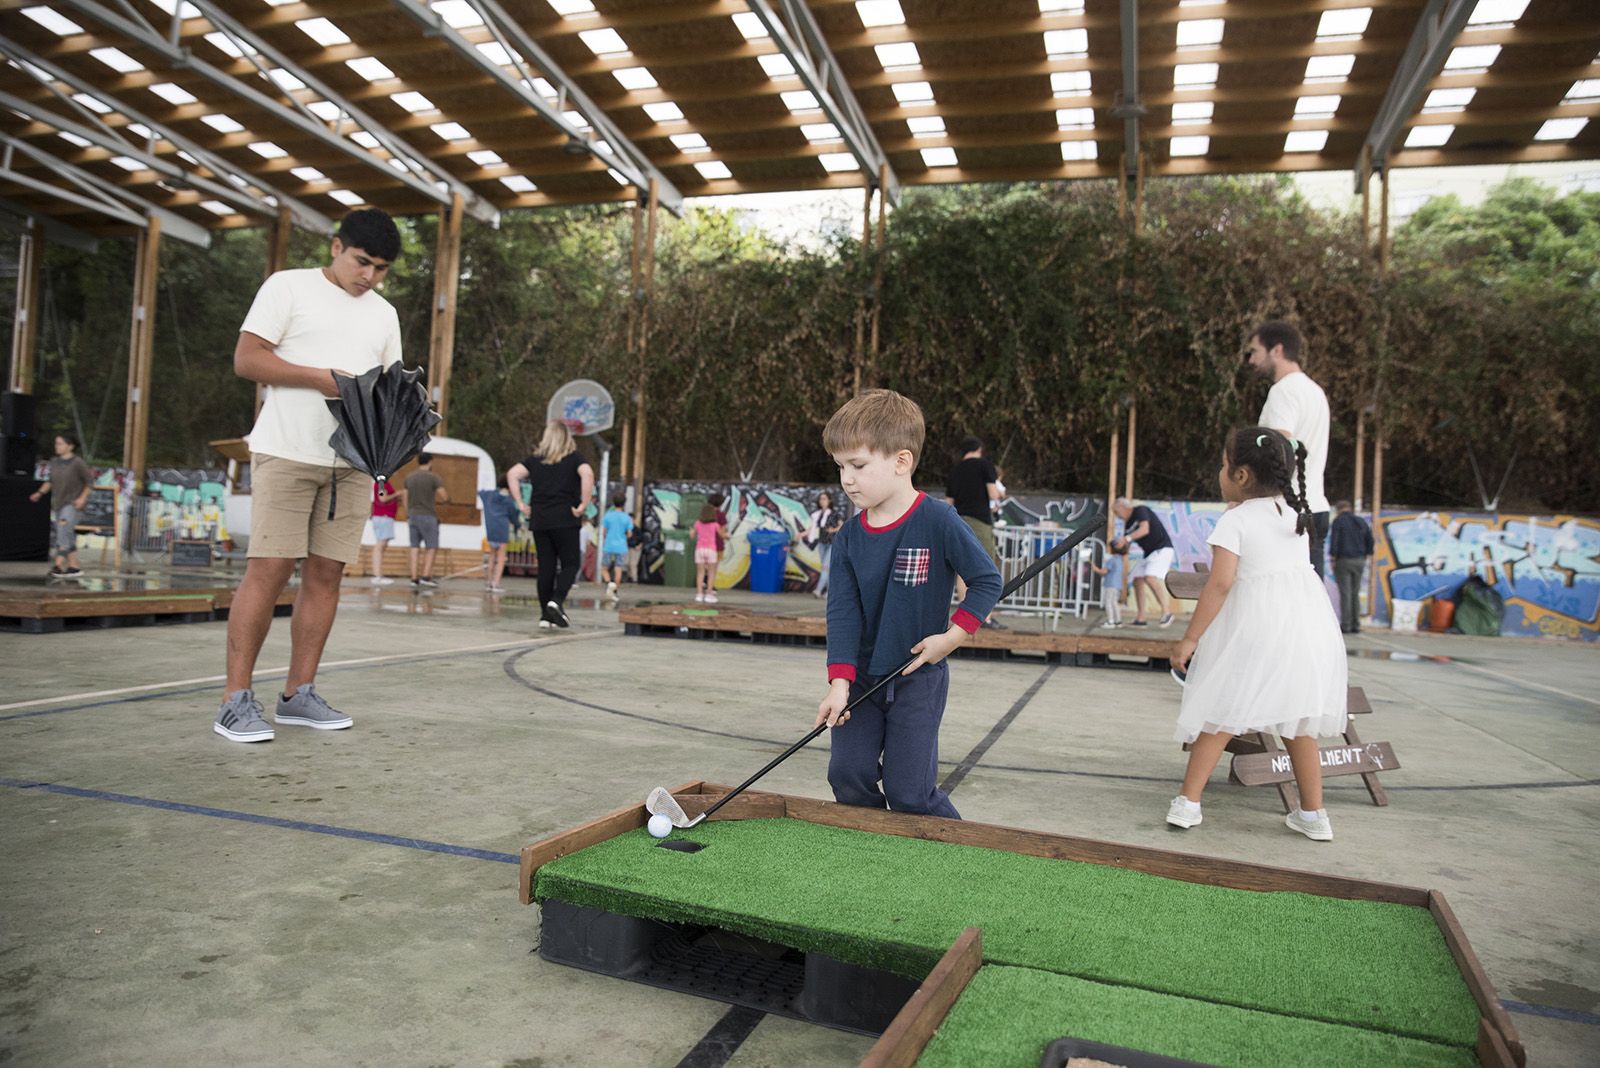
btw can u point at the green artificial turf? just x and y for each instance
(1007, 1016)
(897, 903)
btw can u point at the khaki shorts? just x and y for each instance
(985, 533)
(289, 510)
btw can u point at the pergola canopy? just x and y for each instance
(220, 114)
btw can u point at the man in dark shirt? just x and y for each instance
(422, 494)
(1349, 543)
(1139, 524)
(970, 488)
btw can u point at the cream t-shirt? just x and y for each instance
(312, 322)
(1298, 405)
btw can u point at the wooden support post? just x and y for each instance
(1111, 488)
(277, 260)
(1377, 512)
(141, 339)
(442, 338)
(636, 291)
(877, 273)
(1138, 211)
(1122, 186)
(1383, 219)
(25, 326)
(1366, 197)
(1361, 459)
(1133, 440)
(648, 265)
(861, 297)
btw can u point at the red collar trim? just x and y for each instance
(870, 529)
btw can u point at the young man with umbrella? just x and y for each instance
(307, 506)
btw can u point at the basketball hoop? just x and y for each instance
(584, 406)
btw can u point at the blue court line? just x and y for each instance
(1523, 1007)
(270, 821)
(1569, 1015)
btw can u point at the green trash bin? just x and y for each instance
(677, 559)
(689, 505)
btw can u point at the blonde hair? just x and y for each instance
(557, 443)
(878, 419)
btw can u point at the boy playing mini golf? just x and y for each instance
(894, 566)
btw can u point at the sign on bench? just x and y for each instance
(191, 553)
(1263, 769)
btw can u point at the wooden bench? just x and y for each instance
(1260, 759)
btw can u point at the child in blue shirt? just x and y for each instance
(500, 514)
(1111, 582)
(893, 569)
(616, 526)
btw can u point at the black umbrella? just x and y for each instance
(384, 420)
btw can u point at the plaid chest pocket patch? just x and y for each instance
(911, 566)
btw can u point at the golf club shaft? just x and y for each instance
(1064, 546)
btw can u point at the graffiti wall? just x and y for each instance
(1546, 567)
(749, 507)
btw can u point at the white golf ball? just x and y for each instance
(660, 826)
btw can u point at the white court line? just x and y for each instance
(1488, 671)
(271, 672)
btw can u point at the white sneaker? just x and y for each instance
(1182, 814)
(379, 580)
(711, 598)
(699, 598)
(1318, 830)
(1108, 625)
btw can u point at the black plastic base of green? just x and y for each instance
(723, 966)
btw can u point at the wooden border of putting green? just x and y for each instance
(1497, 1035)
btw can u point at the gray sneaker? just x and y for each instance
(307, 709)
(239, 719)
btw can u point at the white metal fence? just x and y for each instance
(151, 524)
(1067, 587)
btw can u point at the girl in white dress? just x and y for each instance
(1267, 651)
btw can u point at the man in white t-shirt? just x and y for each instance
(304, 326)
(1297, 407)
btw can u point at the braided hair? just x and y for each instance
(1277, 465)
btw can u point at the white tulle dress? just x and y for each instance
(1273, 659)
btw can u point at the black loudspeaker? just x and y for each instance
(16, 415)
(18, 455)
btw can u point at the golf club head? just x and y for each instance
(662, 803)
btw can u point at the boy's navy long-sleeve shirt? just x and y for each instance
(889, 587)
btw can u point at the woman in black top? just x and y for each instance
(560, 485)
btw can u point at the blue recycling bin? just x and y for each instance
(769, 553)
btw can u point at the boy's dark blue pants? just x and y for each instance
(893, 738)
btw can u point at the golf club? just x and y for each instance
(662, 803)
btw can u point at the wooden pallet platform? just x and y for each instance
(53, 610)
(736, 623)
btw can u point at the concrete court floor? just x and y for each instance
(341, 898)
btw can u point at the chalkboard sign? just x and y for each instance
(99, 515)
(191, 553)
